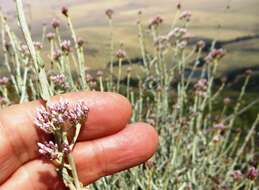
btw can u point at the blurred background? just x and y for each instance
(233, 23)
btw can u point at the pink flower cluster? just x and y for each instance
(50, 35)
(49, 150)
(177, 34)
(219, 126)
(53, 117)
(120, 54)
(55, 23)
(186, 15)
(66, 46)
(155, 22)
(59, 81)
(109, 13)
(4, 81)
(252, 173)
(215, 54)
(201, 87)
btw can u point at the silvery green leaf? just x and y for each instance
(45, 93)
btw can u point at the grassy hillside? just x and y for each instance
(235, 17)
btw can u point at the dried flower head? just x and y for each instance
(176, 34)
(248, 72)
(38, 45)
(216, 138)
(24, 49)
(178, 4)
(57, 54)
(201, 44)
(215, 54)
(186, 16)
(182, 44)
(66, 46)
(80, 42)
(59, 81)
(55, 23)
(99, 73)
(236, 175)
(219, 126)
(202, 84)
(129, 69)
(109, 13)
(64, 11)
(120, 54)
(252, 173)
(161, 43)
(4, 81)
(89, 77)
(201, 87)
(50, 36)
(227, 101)
(155, 22)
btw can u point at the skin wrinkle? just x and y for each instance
(95, 151)
(102, 161)
(9, 146)
(30, 117)
(28, 176)
(21, 154)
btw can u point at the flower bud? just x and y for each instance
(99, 73)
(186, 15)
(64, 11)
(129, 69)
(236, 175)
(55, 23)
(109, 13)
(227, 101)
(248, 72)
(80, 42)
(4, 81)
(120, 54)
(50, 36)
(252, 173)
(66, 46)
(201, 44)
(155, 22)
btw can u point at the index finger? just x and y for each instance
(109, 113)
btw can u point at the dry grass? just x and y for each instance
(89, 19)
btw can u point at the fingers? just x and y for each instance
(109, 113)
(131, 146)
(35, 175)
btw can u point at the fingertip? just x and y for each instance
(122, 100)
(109, 113)
(148, 135)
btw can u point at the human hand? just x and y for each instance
(107, 143)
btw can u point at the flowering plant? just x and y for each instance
(62, 120)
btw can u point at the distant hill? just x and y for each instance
(236, 18)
